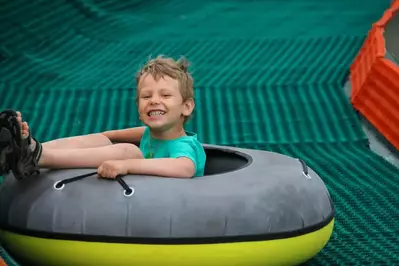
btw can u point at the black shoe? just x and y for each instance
(22, 161)
(5, 151)
(6, 148)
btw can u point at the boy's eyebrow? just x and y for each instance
(162, 88)
(143, 89)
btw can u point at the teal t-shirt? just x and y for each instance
(185, 146)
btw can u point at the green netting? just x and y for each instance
(269, 75)
(6, 258)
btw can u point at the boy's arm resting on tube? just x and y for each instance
(130, 135)
(182, 162)
(181, 167)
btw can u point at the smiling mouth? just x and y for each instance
(155, 113)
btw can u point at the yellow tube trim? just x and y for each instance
(287, 251)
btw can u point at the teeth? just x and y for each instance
(153, 113)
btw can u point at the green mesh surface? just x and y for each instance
(6, 258)
(269, 75)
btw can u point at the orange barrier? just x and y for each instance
(375, 81)
(2, 262)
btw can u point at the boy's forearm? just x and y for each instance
(130, 135)
(167, 167)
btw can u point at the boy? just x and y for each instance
(165, 100)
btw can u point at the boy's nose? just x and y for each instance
(154, 100)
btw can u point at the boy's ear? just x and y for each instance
(188, 107)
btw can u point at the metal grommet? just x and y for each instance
(128, 194)
(305, 170)
(307, 175)
(57, 187)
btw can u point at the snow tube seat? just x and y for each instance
(251, 207)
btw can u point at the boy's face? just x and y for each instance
(161, 105)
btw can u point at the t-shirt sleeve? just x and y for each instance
(144, 140)
(186, 149)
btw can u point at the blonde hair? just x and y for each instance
(166, 66)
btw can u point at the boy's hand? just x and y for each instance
(111, 169)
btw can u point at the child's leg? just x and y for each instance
(28, 158)
(81, 151)
(78, 142)
(90, 157)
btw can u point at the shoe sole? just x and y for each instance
(5, 150)
(20, 163)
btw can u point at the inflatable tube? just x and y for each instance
(251, 208)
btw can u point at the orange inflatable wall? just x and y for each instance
(375, 81)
